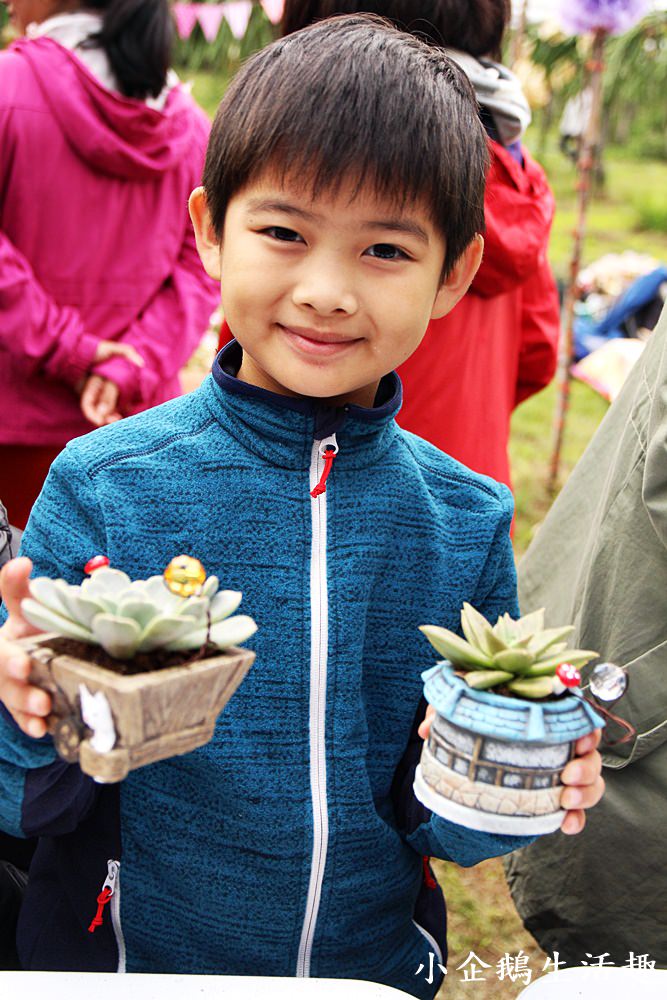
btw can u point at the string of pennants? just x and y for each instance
(210, 16)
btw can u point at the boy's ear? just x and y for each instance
(208, 244)
(459, 279)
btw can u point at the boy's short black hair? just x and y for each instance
(353, 98)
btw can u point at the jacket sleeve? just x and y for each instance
(40, 795)
(540, 329)
(427, 833)
(644, 704)
(49, 337)
(170, 328)
(519, 209)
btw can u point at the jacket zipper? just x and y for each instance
(110, 894)
(320, 462)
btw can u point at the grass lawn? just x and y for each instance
(482, 918)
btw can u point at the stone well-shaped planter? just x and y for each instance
(493, 763)
(119, 723)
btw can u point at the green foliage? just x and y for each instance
(651, 209)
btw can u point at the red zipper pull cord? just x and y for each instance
(102, 900)
(321, 487)
(429, 881)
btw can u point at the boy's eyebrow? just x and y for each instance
(388, 225)
(398, 226)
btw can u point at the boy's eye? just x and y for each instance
(386, 251)
(283, 234)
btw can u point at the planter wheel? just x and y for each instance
(67, 736)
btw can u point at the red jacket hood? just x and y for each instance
(519, 209)
(120, 136)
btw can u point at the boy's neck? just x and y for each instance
(252, 374)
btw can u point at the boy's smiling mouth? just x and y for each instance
(317, 343)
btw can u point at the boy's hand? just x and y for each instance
(582, 777)
(28, 705)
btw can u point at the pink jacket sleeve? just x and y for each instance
(51, 338)
(167, 332)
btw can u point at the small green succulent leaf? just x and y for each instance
(194, 639)
(476, 629)
(522, 642)
(224, 604)
(106, 582)
(517, 661)
(193, 607)
(50, 621)
(577, 657)
(530, 624)
(50, 593)
(140, 609)
(483, 679)
(210, 587)
(81, 609)
(232, 631)
(118, 636)
(159, 594)
(162, 630)
(502, 632)
(454, 648)
(548, 638)
(534, 687)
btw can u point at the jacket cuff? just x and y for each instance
(127, 376)
(80, 358)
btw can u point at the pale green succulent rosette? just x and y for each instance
(519, 655)
(127, 617)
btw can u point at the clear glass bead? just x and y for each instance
(608, 682)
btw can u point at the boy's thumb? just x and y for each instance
(14, 579)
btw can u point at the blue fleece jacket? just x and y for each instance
(291, 844)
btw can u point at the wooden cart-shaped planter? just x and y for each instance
(128, 721)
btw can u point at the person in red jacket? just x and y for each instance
(499, 345)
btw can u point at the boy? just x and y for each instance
(342, 199)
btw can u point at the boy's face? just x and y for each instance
(328, 294)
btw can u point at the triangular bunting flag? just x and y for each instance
(237, 15)
(185, 16)
(210, 17)
(273, 9)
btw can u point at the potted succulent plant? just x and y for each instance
(507, 718)
(137, 670)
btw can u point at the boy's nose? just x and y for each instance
(326, 293)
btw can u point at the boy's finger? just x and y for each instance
(589, 742)
(425, 726)
(31, 725)
(583, 770)
(573, 822)
(14, 581)
(582, 796)
(24, 699)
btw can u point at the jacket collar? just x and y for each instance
(283, 428)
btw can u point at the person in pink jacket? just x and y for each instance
(102, 294)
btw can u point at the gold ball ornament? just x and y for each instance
(184, 576)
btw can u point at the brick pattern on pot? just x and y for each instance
(496, 799)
